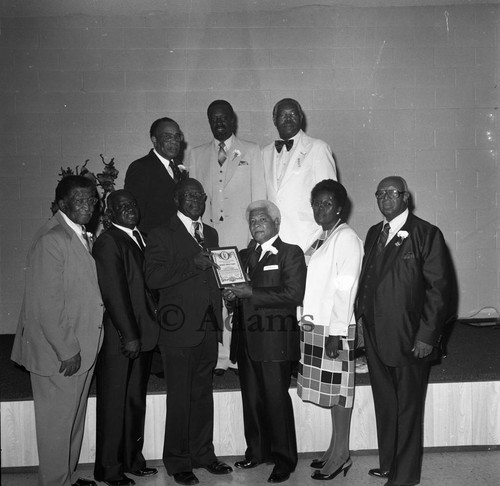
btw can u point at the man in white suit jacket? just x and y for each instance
(232, 174)
(292, 167)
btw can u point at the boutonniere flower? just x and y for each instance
(236, 153)
(273, 250)
(299, 158)
(182, 167)
(402, 235)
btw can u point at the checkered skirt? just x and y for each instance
(322, 380)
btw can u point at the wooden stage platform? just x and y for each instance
(462, 408)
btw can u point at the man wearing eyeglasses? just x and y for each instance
(404, 300)
(152, 178)
(60, 330)
(189, 313)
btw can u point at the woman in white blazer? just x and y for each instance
(326, 371)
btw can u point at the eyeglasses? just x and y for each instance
(322, 204)
(391, 193)
(195, 196)
(168, 137)
(90, 201)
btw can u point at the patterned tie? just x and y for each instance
(198, 235)
(382, 239)
(253, 259)
(279, 145)
(175, 171)
(138, 238)
(221, 157)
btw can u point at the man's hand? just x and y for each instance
(242, 291)
(228, 295)
(332, 346)
(71, 366)
(131, 349)
(421, 350)
(202, 260)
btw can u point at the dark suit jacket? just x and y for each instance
(269, 318)
(130, 308)
(185, 292)
(413, 295)
(150, 183)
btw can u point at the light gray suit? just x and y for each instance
(61, 316)
(242, 182)
(230, 191)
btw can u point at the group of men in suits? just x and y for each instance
(159, 290)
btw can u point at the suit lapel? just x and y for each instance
(394, 248)
(77, 244)
(299, 154)
(160, 167)
(370, 245)
(267, 256)
(234, 156)
(269, 165)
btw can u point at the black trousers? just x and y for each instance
(121, 408)
(267, 411)
(399, 397)
(190, 407)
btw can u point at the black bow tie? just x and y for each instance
(287, 143)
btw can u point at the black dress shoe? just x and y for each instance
(144, 471)
(218, 467)
(378, 473)
(125, 481)
(277, 477)
(186, 478)
(317, 463)
(246, 464)
(84, 482)
(219, 372)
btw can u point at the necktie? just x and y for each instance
(221, 157)
(198, 235)
(86, 239)
(382, 239)
(138, 238)
(253, 259)
(175, 171)
(279, 145)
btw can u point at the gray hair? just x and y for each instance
(270, 208)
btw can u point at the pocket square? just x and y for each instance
(242, 162)
(270, 267)
(408, 256)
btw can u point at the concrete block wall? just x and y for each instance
(403, 90)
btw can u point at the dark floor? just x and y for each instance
(439, 469)
(472, 355)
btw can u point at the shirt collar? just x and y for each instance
(126, 230)
(77, 228)
(227, 143)
(397, 223)
(188, 222)
(267, 244)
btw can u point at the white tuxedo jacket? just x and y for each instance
(230, 192)
(311, 161)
